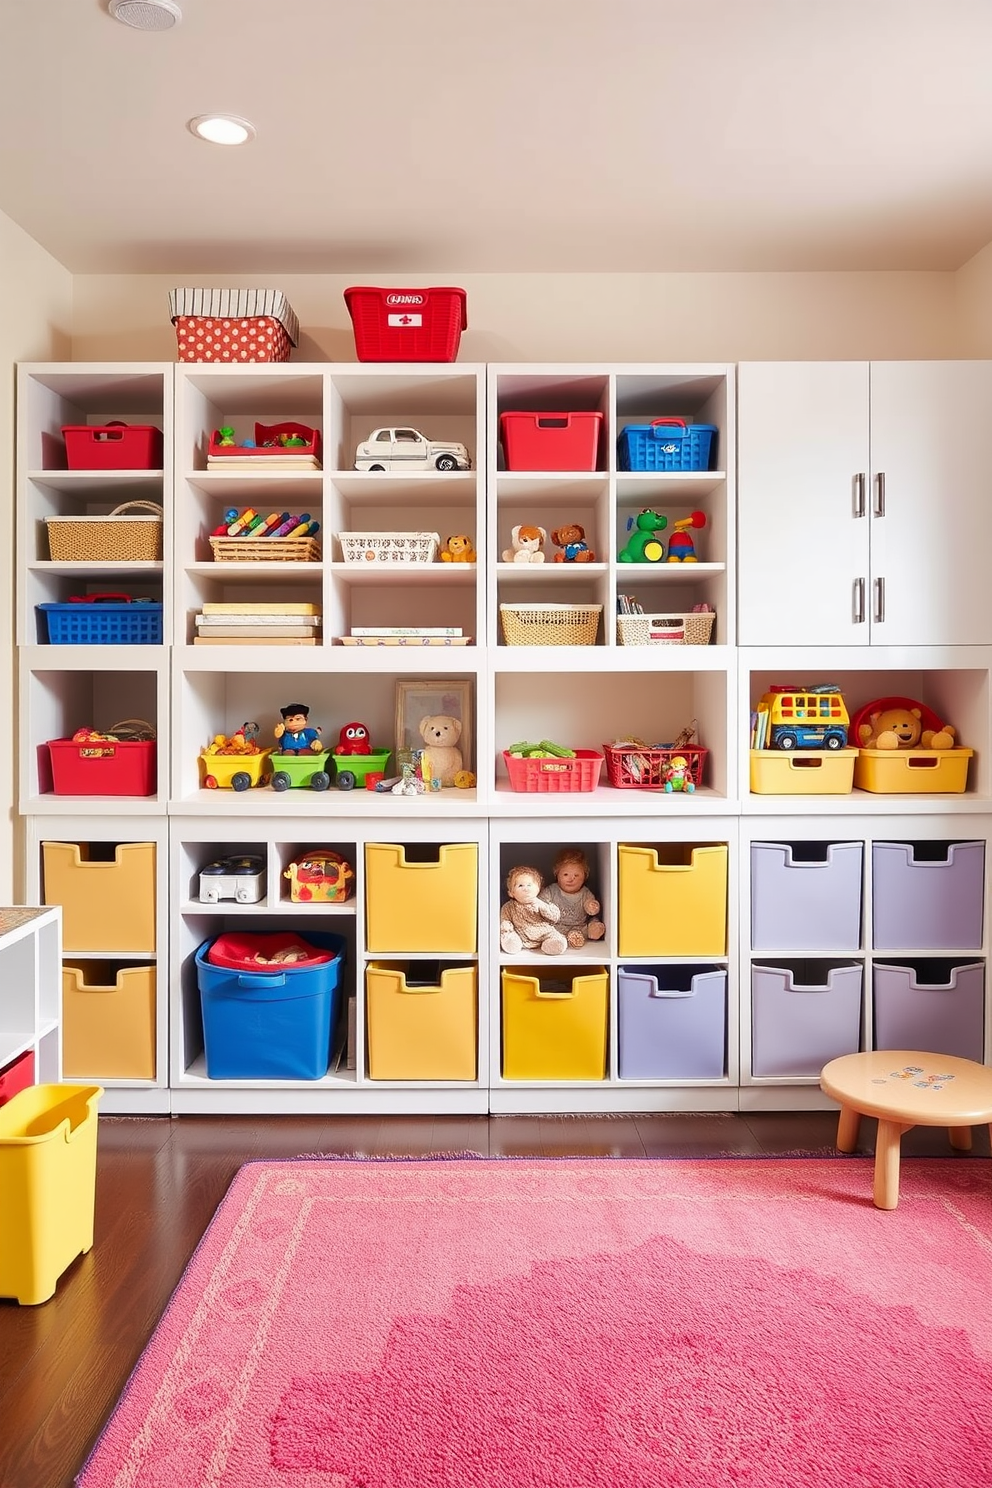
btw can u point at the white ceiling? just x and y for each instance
(518, 136)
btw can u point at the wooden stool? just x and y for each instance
(904, 1088)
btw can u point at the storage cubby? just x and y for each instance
(108, 1020)
(672, 899)
(31, 999)
(672, 1022)
(555, 1021)
(803, 1014)
(928, 895)
(422, 1020)
(541, 856)
(806, 896)
(934, 1004)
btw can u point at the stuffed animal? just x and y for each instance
(526, 921)
(527, 545)
(444, 759)
(578, 908)
(458, 549)
(572, 542)
(902, 728)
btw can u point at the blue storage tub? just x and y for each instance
(672, 1022)
(273, 1025)
(103, 623)
(666, 444)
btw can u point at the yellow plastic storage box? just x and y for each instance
(108, 1026)
(554, 1024)
(47, 1186)
(413, 905)
(420, 1032)
(903, 772)
(106, 906)
(673, 900)
(807, 772)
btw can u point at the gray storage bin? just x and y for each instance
(936, 1006)
(806, 896)
(672, 1022)
(803, 1014)
(927, 896)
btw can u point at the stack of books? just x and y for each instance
(247, 624)
(405, 635)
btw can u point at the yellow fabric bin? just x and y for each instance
(421, 906)
(106, 906)
(108, 1028)
(673, 900)
(807, 772)
(554, 1024)
(421, 1032)
(912, 771)
(47, 1186)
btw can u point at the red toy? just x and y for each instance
(681, 548)
(354, 739)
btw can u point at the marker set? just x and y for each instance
(250, 523)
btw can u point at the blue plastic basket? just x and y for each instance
(666, 444)
(82, 624)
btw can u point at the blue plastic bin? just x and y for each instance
(138, 623)
(672, 1022)
(666, 444)
(273, 1025)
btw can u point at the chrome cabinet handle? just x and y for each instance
(879, 585)
(859, 494)
(879, 508)
(859, 602)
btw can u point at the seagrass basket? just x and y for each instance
(692, 628)
(550, 625)
(127, 535)
(265, 549)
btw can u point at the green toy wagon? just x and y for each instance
(304, 771)
(351, 769)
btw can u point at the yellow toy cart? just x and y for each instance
(234, 771)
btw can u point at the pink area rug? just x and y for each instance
(574, 1324)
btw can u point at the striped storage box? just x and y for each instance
(233, 325)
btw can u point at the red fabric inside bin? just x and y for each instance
(238, 951)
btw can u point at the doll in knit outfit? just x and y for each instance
(526, 921)
(576, 905)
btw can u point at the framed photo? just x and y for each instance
(451, 696)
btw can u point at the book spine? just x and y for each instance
(405, 630)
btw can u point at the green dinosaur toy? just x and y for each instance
(644, 545)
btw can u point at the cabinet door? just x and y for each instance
(802, 501)
(931, 503)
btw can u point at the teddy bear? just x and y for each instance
(526, 921)
(572, 542)
(902, 728)
(458, 549)
(527, 544)
(444, 759)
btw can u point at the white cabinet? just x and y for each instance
(864, 503)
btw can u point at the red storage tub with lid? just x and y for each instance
(407, 325)
(551, 441)
(114, 446)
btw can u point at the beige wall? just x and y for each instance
(35, 326)
(974, 304)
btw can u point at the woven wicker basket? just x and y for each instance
(117, 538)
(265, 549)
(550, 625)
(389, 547)
(691, 629)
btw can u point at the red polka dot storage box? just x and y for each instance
(233, 325)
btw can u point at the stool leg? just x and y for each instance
(886, 1193)
(960, 1136)
(847, 1129)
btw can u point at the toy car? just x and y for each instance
(238, 878)
(803, 718)
(408, 449)
(233, 771)
(303, 770)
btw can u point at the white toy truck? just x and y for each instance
(408, 449)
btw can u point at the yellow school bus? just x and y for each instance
(804, 718)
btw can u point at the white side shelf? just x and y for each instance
(30, 974)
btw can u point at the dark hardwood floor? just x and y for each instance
(63, 1364)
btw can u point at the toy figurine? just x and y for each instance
(354, 739)
(526, 545)
(680, 545)
(409, 783)
(294, 734)
(572, 542)
(677, 775)
(458, 548)
(644, 545)
(526, 921)
(577, 907)
(225, 437)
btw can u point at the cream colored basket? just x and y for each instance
(692, 629)
(550, 625)
(389, 547)
(265, 549)
(117, 538)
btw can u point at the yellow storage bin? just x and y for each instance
(106, 905)
(554, 1024)
(108, 1028)
(808, 772)
(421, 905)
(47, 1186)
(673, 900)
(421, 1032)
(899, 772)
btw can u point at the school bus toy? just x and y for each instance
(801, 717)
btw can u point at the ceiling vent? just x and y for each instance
(146, 15)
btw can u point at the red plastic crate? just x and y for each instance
(113, 447)
(555, 776)
(406, 325)
(16, 1076)
(632, 767)
(103, 767)
(551, 441)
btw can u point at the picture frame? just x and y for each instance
(423, 698)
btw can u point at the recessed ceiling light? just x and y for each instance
(146, 15)
(222, 129)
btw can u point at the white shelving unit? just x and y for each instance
(30, 971)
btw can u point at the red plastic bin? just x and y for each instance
(16, 1076)
(551, 441)
(631, 767)
(406, 325)
(555, 776)
(113, 447)
(105, 767)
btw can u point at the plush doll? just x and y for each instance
(902, 728)
(444, 759)
(526, 921)
(458, 549)
(527, 545)
(295, 734)
(572, 542)
(577, 907)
